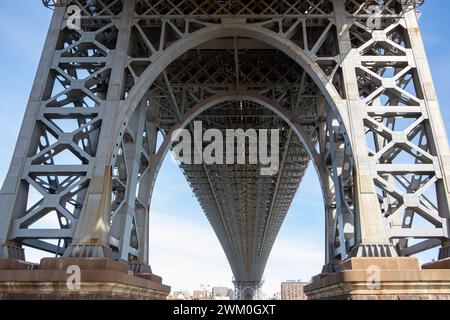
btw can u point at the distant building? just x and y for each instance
(202, 294)
(199, 295)
(293, 290)
(220, 293)
(180, 295)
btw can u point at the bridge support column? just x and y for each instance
(78, 279)
(76, 192)
(370, 234)
(379, 266)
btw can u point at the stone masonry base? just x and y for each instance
(101, 279)
(399, 279)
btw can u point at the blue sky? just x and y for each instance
(183, 248)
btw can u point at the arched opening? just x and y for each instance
(217, 113)
(132, 117)
(206, 95)
(248, 294)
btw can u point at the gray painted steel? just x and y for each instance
(356, 102)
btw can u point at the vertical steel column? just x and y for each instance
(371, 237)
(435, 128)
(92, 233)
(148, 179)
(398, 138)
(134, 172)
(14, 193)
(124, 223)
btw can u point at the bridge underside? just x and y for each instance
(245, 207)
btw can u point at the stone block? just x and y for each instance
(440, 264)
(382, 263)
(13, 264)
(83, 264)
(101, 279)
(399, 279)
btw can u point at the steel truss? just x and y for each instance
(355, 101)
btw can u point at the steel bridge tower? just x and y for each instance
(346, 82)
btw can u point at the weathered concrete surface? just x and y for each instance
(400, 279)
(101, 279)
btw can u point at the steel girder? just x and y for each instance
(358, 101)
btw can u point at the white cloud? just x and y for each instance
(187, 255)
(293, 258)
